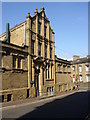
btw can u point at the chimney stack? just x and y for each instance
(7, 39)
(76, 57)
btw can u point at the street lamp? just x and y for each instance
(37, 67)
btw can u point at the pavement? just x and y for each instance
(30, 100)
(35, 99)
(70, 104)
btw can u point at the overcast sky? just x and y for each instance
(68, 20)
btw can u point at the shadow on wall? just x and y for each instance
(72, 106)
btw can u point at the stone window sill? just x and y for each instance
(19, 70)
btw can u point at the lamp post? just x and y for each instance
(37, 71)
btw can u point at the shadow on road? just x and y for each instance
(72, 106)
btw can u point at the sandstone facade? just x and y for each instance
(28, 65)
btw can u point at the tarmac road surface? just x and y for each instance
(72, 106)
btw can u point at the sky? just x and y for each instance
(69, 20)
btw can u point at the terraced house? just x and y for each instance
(81, 69)
(28, 58)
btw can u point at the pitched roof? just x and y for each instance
(82, 60)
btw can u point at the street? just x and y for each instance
(72, 106)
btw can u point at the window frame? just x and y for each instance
(32, 47)
(45, 31)
(80, 68)
(45, 51)
(73, 68)
(14, 61)
(39, 49)
(50, 52)
(39, 28)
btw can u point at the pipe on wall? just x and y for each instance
(7, 38)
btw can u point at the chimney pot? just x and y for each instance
(42, 9)
(28, 15)
(36, 11)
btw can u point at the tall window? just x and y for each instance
(80, 68)
(19, 62)
(87, 68)
(88, 78)
(45, 50)
(14, 62)
(80, 78)
(45, 30)
(73, 68)
(51, 71)
(39, 49)
(48, 71)
(39, 28)
(50, 52)
(32, 47)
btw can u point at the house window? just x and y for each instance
(87, 68)
(39, 49)
(45, 50)
(19, 62)
(2, 98)
(48, 71)
(39, 28)
(80, 68)
(80, 78)
(50, 52)
(27, 93)
(9, 97)
(32, 47)
(14, 62)
(45, 30)
(52, 89)
(73, 68)
(88, 78)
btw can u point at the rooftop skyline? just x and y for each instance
(69, 21)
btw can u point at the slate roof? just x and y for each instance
(82, 60)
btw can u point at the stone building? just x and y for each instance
(81, 69)
(28, 58)
(29, 66)
(14, 72)
(63, 74)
